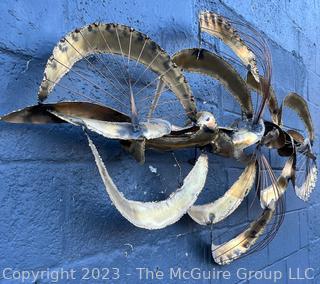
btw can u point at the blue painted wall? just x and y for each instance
(54, 210)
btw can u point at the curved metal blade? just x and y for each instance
(221, 208)
(205, 62)
(297, 137)
(154, 128)
(225, 253)
(300, 106)
(218, 26)
(309, 174)
(40, 114)
(156, 215)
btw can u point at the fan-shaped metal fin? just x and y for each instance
(300, 106)
(117, 39)
(238, 246)
(218, 26)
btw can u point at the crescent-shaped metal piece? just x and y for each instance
(304, 191)
(296, 136)
(300, 106)
(221, 208)
(117, 39)
(40, 114)
(218, 26)
(205, 62)
(151, 129)
(156, 215)
(226, 253)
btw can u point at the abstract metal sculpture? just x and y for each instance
(138, 123)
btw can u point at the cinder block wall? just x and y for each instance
(54, 210)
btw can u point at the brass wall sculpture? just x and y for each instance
(115, 53)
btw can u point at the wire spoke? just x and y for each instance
(95, 69)
(89, 81)
(73, 92)
(145, 70)
(154, 80)
(110, 50)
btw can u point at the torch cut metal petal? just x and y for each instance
(40, 114)
(304, 191)
(299, 105)
(154, 128)
(205, 62)
(221, 208)
(226, 253)
(156, 215)
(218, 26)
